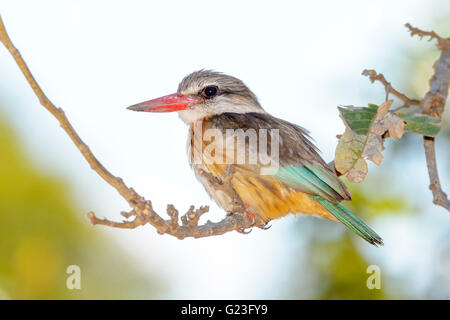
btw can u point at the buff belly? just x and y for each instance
(271, 199)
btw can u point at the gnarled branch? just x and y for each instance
(142, 212)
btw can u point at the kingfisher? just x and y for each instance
(217, 108)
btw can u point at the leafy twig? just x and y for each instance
(432, 104)
(374, 76)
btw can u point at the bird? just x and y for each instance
(298, 181)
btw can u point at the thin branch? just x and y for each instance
(374, 76)
(439, 196)
(142, 212)
(138, 221)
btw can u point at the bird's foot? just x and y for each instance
(243, 230)
(250, 215)
(252, 218)
(265, 226)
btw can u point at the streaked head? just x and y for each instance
(204, 93)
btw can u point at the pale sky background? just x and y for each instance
(301, 58)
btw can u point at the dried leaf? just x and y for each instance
(395, 125)
(358, 172)
(372, 149)
(383, 109)
(348, 151)
(379, 128)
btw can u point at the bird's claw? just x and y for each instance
(265, 226)
(243, 230)
(252, 217)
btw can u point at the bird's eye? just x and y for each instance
(210, 91)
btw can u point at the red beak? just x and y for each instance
(170, 103)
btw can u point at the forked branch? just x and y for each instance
(432, 104)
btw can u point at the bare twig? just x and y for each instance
(374, 76)
(432, 104)
(443, 43)
(142, 212)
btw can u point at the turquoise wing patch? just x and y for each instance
(313, 180)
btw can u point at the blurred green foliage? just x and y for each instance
(42, 232)
(337, 263)
(345, 271)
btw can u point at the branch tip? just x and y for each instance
(374, 76)
(443, 43)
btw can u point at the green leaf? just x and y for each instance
(421, 124)
(362, 139)
(359, 119)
